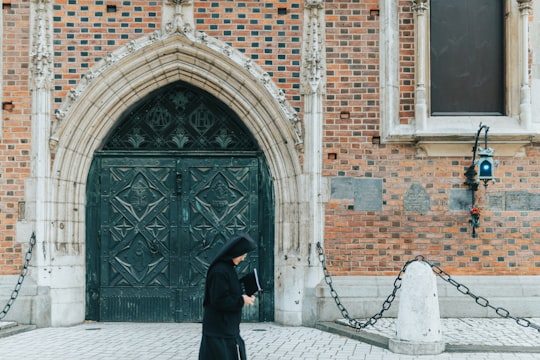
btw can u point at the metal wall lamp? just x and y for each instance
(486, 166)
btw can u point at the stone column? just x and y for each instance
(525, 115)
(420, 7)
(37, 187)
(312, 209)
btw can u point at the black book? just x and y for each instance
(250, 283)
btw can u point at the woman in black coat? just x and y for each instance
(223, 303)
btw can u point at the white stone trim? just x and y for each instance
(126, 76)
(521, 124)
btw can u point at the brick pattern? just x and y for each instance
(269, 32)
(86, 30)
(15, 135)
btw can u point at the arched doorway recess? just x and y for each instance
(110, 90)
(173, 182)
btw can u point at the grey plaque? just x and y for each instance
(496, 202)
(417, 199)
(368, 194)
(517, 200)
(342, 188)
(534, 202)
(460, 200)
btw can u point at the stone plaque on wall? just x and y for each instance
(517, 200)
(460, 200)
(534, 202)
(416, 199)
(496, 202)
(342, 188)
(366, 193)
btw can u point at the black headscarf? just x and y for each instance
(238, 245)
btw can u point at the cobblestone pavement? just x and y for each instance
(472, 331)
(269, 341)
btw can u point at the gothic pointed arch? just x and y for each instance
(91, 111)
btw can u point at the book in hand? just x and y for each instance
(250, 283)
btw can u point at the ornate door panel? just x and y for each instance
(175, 179)
(219, 197)
(161, 222)
(138, 240)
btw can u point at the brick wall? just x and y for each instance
(270, 32)
(16, 133)
(379, 243)
(86, 30)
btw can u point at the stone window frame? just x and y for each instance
(451, 135)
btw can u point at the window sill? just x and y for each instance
(454, 135)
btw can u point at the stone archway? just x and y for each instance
(129, 74)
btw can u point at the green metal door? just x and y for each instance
(161, 220)
(219, 197)
(138, 232)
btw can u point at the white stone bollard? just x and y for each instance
(418, 326)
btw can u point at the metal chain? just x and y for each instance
(24, 271)
(358, 325)
(480, 300)
(351, 321)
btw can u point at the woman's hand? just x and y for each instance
(249, 300)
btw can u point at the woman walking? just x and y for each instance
(223, 303)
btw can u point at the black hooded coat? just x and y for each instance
(223, 303)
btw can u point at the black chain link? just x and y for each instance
(480, 300)
(24, 271)
(358, 325)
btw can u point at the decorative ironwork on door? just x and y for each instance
(181, 118)
(138, 210)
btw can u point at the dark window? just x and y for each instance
(467, 57)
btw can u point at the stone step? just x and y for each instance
(8, 328)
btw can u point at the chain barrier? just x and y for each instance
(358, 325)
(24, 271)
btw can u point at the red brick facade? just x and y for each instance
(270, 33)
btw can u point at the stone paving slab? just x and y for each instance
(158, 341)
(7, 324)
(472, 331)
(459, 335)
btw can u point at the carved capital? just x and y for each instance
(180, 2)
(314, 4)
(420, 6)
(525, 5)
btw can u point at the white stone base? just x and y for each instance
(415, 348)
(363, 296)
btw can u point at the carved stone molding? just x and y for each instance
(253, 73)
(313, 50)
(41, 52)
(180, 19)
